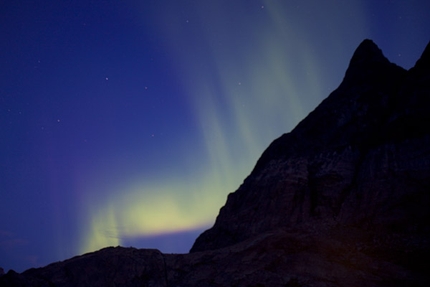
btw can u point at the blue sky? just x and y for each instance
(128, 122)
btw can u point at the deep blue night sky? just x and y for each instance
(128, 122)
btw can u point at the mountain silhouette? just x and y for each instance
(341, 200)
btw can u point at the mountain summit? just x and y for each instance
(341, 200)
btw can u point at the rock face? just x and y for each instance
(342, 200)
(361, 158)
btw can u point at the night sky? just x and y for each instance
(128, 122)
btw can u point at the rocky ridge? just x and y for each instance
(342, 200)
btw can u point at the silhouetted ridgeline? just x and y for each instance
(342, 200)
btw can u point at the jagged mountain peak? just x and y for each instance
(368, 65)
(367, 52)
(348, 115)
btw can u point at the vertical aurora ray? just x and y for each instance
(251, 71)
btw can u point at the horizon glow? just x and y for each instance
(242, 100)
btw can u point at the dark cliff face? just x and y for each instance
(342, 200)
(361, 158)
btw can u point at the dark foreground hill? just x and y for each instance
(342, 200)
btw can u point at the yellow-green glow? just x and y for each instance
(141, 210)
(243, 98)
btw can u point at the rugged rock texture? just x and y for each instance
(361, 158)
(342, 200)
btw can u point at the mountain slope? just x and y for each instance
(360, 158)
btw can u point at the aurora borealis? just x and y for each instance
(129, 122)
